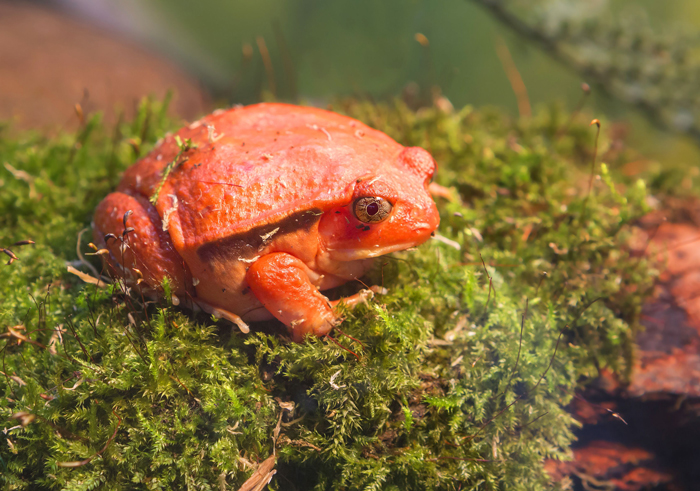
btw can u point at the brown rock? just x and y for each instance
(49, 62)
(644, 435)
(669, 347)
(608, 465)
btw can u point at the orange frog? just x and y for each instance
(258, 208)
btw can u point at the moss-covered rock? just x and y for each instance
(456, 379)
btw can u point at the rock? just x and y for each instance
(646, 435)
(617, 466)
(50, 62)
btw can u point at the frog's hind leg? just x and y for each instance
(130, 228)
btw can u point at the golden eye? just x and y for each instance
(371, 209)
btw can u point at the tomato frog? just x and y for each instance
(251, 212)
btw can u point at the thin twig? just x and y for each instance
(520, 346)
(516, 81)
(80, 463)
(343, 347)
(592, 175)
(267, 61)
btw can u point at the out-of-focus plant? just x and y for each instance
(658, 73)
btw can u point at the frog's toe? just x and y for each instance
(360, 297)
(220, 313)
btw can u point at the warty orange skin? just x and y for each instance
(266, 210)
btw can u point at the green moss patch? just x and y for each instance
(456, 379)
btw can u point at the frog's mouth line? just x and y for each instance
(357, 254)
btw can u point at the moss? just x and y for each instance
(458, 377)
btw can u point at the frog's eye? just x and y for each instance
(371, 209)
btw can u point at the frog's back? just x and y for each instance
(255, 166)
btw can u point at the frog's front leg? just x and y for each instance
(281, 282)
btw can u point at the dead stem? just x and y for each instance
(516, 81)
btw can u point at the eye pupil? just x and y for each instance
(371, 209)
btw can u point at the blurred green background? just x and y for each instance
(368, 47)
(323, 49)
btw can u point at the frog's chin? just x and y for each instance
(345, 255)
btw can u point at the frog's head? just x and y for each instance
(390, 210)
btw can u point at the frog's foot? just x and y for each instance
(360, 297)
(219, 313)
(281, 282)
(138, 246)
